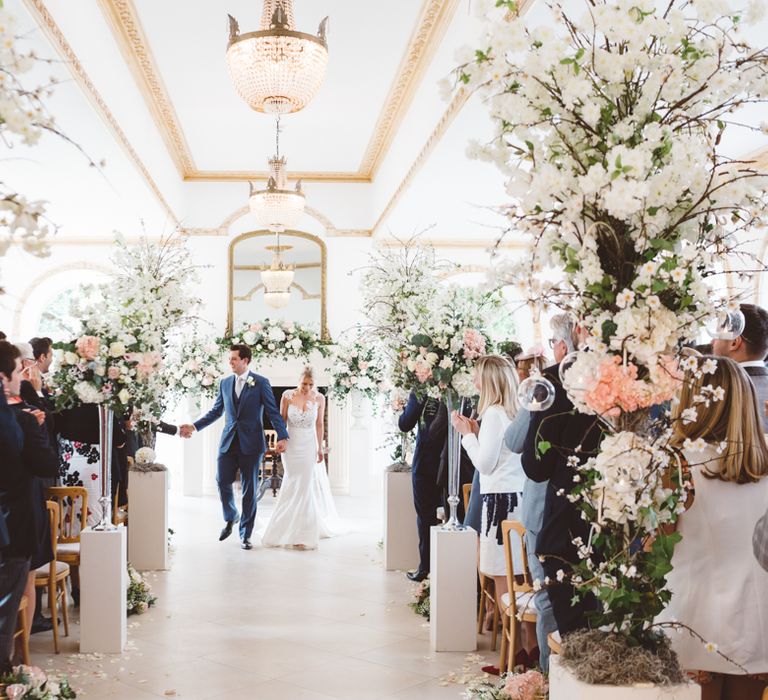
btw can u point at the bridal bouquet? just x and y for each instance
(277, 339)
(31, 683)
(356, 367)
(609, 124)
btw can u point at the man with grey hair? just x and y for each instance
(553, 436)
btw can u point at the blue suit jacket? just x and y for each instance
(245, 420)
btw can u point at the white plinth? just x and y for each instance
(148, 520)
(103, 588)
(563, 685)
(401, 539)
(359, 461)
(453, 590)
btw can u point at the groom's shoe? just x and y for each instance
(227, 531)
(417, 576)
(246, 544)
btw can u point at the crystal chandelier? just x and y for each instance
(277, 207)
(277, 69)
(277, 279)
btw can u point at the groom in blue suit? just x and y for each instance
(243, 398)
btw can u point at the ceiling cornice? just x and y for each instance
(433, 21)
(45, 20)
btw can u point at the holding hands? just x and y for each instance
(186, 430)
(464, 425)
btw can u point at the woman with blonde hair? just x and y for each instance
(718, 588)
(501, 474)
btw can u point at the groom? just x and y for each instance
(242, 398)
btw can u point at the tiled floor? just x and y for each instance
(271, 624)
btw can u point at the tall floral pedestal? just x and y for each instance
(401, 539)
(453, 590)
(563, 685)
(148, 520)
(103, 589)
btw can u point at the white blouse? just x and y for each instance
(500, 470)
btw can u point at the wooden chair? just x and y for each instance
(517, 604)
(53, 576)
(120, 513)
(71, 521)
(21, 630)
(270, 474)
(466, 490)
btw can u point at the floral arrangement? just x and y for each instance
(276, 339)
(608, 126)
(139, 597)
(440, 354)
(421, 595)
(194, 366)
(31, 683)
(356, 367)
(531, 685)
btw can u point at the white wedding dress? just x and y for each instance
(305, 510)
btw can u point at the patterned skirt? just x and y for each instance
(79, 466)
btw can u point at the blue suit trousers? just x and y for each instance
(228, 464)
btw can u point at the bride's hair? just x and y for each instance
(307, 373)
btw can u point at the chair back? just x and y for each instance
(513, 534)
(271, 437)
(466, 492)
(73, 510)
(53, 521)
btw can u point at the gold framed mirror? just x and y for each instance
(252, 252)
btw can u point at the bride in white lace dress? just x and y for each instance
(305, 511)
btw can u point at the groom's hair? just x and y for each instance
(243, 350)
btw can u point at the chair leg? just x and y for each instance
(54, 612)
(512, 641)
(504, 643)
(64, 606)
(22, 622)
(481, 608)
(495, 632)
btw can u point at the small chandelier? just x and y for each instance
(277, 208)
(277, 69)
(277, 279)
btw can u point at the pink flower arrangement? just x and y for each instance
(530, 685)
(474, 344)
(146, 362)
(87, 347)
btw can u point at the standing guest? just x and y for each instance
(243, 398)
(749, 350)
(731, 490)
(424, 470)
(501, 476)
(21, 494)
(36, 359)
(569, 434)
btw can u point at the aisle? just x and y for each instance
(268, 624)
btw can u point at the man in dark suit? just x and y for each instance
(243, 398)
(34, 390)
(569, 433)
(749, 350)
(424, 470)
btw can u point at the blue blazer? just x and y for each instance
(246, 420)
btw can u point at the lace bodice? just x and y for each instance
(298, 418)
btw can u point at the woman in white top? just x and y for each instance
(501, 474)
(718, 588)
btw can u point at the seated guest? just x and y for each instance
(501, 476)
(560, 522)
(749, 350)
(21, 488)
(426, 463)
(718, 589)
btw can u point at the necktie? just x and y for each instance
(239, 386)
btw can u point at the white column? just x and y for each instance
(453, 590)
(103, 586)
(148, 520)
(401, 538)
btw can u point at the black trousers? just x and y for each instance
(426, 500)
(13, 580)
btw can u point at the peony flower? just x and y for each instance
(113, 372)
(87, 347)
(117, 349)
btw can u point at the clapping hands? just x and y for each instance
(464, 425)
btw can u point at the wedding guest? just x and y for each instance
(749, 350)
(422, 414)
(34, 390)
(21, 490)
(501, 476)
(760, 541)
(731, 489)
(570, 434)
(531, 360)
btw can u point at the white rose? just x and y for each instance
(100, 370)
(116, 349)
(207, 380)
(188, 381)
(124, 396)
(249, 337)
(70, 358)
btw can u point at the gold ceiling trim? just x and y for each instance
(305, 295)
(455, 243)
(45, 20)
(434, 18)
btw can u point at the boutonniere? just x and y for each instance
(250, 381)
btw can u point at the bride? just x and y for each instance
(305, 511)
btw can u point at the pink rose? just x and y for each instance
(474, 344)
(363, 366)
(113, 372)
(254, 328)
(17, 690)
(87, 346)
